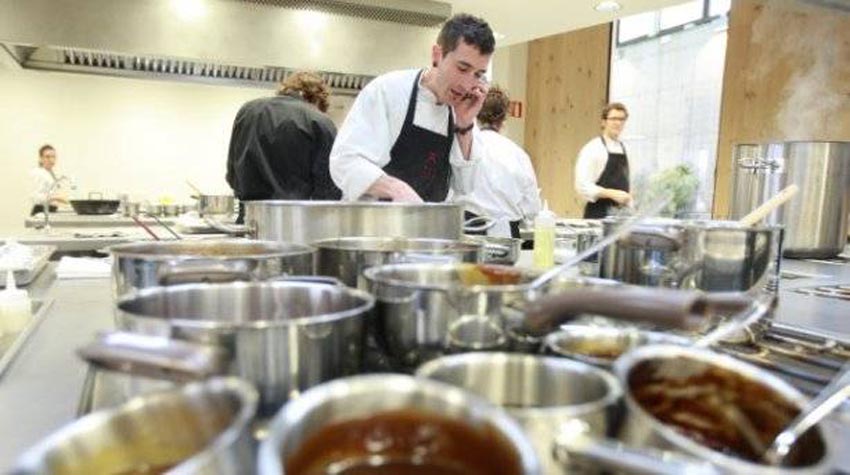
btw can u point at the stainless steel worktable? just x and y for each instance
(40, 391)
(65, 219)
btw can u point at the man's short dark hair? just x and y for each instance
(45, 148)
(473, 30)
(614, 106)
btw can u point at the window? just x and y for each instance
(681, 15)
(670, 79)
(669, 20)
(719, 7)
(637, 26)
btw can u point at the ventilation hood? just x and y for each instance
(246, 42)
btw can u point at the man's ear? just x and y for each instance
(436, 55)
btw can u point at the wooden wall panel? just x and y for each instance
(566, 87)
(787, 77)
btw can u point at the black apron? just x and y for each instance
(420, 157)
(616, 176)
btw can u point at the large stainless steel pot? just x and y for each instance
(303, 222)
(681, 368)
(541, 393)
(361, 397)
(694, 254)
(140, 265)
(816, 219)
(346, 258)
(202, 428)
(282, 336)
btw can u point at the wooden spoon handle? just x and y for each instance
(759, 213)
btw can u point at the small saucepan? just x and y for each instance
(201, 428)
(711, 413)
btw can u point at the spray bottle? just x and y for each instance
(15, 306)
(544, 238)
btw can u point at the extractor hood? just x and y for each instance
(245, 42)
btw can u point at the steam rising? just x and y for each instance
(814, 94)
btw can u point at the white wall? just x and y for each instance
(116, 135)
(141, 137)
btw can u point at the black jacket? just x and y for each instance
(279, 149)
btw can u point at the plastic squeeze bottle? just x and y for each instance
(544, 238)
(15, 306)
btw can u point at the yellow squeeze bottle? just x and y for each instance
(544, 238)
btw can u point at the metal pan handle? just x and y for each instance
(675, 309)
(155, 356)
(469, 226)
(497, 251)
(231, 229)
(575, 448)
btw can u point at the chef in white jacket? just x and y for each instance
(504, 186)
(411, 135)
(45, 183)
(602, 168)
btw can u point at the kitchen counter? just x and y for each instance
(95, 238)
(40, 391)
(62, 219)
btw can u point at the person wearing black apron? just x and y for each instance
(410, 135)
(602, 167)
(420, 157)
(614, 176)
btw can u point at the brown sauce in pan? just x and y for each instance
(405, 442)
(483, 274)
(145, 469)
(718, 408)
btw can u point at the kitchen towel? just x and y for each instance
(83, 268)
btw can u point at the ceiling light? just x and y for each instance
(498, 36)
(189, 10)
(607, 6)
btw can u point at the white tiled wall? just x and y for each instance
(672, 88)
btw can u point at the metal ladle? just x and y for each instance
(829, 398)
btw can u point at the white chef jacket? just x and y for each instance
(42, 180)
(372, 126)
(590, 165)
(504, 186)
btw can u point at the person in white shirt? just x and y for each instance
(45, 187)
(504, 186)
(602, 168)
(410, 135)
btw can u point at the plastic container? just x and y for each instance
(15, 306)
(544, 238)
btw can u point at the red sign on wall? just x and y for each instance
(515, 109)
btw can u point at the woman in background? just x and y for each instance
(45, 183)
(505, 186)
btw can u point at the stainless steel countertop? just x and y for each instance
(41, 389)
(69, 219)
(92, 239)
